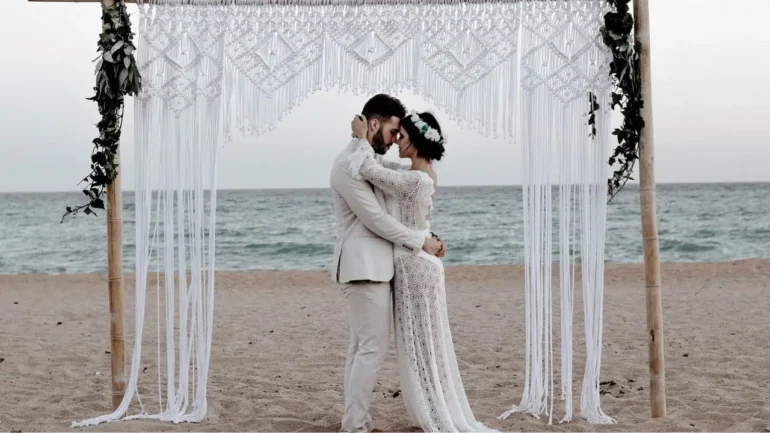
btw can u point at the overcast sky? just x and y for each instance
(711, 83)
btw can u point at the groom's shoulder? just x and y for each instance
(341, 161)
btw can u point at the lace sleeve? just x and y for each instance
(401, 184)
(393, 165)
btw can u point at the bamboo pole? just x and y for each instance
(115, 279)
(650, 220)
(115, 282)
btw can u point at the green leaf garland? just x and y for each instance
(116, 76)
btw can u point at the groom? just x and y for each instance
(363, 260)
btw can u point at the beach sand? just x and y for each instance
(280, 339)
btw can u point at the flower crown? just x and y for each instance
(426, 130)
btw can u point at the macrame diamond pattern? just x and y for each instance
(180, 55)
(269, 46)
(371, 35)
(464, 46)
(563, 50)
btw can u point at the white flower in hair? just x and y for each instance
(426, 130)
(433, 135)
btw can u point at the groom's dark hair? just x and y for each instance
(383, 107)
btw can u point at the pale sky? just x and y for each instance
(711, 84)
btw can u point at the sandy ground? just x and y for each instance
(280, 339)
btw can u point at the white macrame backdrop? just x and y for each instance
(520, 69)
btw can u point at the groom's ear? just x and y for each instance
(374, 125)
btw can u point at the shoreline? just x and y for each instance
(450, 268)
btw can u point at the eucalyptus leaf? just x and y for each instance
(116, 47)
(622, 74)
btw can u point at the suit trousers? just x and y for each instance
(369, 312)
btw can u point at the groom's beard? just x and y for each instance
(378, 143)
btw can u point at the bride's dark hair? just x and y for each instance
(426, 148)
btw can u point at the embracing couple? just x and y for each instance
(385, 254)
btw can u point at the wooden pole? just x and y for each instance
(115, 282)
(115, 278)
(650, 220)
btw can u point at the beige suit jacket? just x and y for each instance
(365, 231)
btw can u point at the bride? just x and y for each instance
(430, 378)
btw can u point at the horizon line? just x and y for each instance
(440, 187)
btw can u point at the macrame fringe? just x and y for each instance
(557, 150)
(175, 220)
(593, 192)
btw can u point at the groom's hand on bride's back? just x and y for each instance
(442, 251)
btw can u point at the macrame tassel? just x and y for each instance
(568, 178)
(593, 206)
(539, 132)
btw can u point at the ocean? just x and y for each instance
(295, 229)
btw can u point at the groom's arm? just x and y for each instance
(362, 201)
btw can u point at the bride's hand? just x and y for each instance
(359, 126)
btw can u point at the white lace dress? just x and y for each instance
(430, 378)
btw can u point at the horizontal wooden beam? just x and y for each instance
(74, 1)
(297, 2)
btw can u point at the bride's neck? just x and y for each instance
(420, 164)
